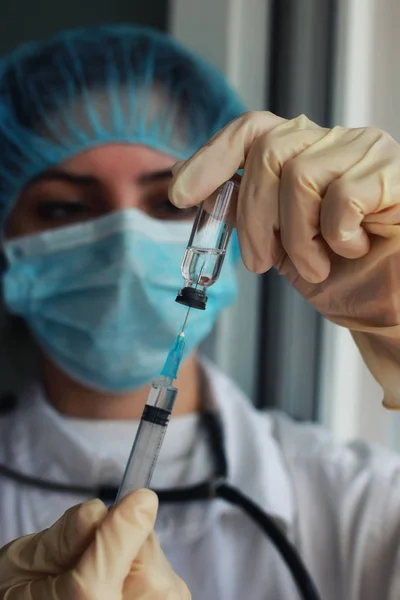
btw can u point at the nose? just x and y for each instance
(122, 195)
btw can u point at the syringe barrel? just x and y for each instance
(145, 451)
(149, 438)
(206, 249)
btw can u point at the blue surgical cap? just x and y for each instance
(93, 86)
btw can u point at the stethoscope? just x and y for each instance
(215, 487)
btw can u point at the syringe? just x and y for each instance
(153, 423)
(200, 268)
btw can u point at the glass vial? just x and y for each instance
(206, 249)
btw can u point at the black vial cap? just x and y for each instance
(192, 297)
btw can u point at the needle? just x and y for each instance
(186, 318)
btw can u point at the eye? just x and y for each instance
(62, 210)
(164, 209)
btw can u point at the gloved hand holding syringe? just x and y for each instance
(201, 267)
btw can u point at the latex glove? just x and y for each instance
(322, 206)
(92, 554)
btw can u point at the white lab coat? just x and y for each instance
(339, 505)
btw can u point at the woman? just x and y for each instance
(92, 123)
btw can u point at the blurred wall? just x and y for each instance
(385, 72)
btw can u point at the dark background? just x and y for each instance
(22, 20)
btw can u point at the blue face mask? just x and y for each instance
(99, 297)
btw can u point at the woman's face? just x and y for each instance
(94, 183)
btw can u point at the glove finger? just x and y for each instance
(152, 576)
(107, 562)
(69, 537)
(177, 167)
(258, 219)
(366, 193)
(342, 215)
(59, 587)
(305, 179)
(219, 159)
(52, 550)
(46, 588)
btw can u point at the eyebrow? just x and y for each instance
(61, 175)
(155, 176)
